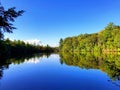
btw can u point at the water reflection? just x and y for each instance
(108, 63)
(4, 63)
(49, 74)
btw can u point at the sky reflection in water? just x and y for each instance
(51, 73)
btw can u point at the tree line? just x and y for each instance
(18, 47)
(107, 40)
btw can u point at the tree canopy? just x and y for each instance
(106, 40)
(6, 19)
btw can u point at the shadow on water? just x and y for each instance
(108, 63)
(5, 62)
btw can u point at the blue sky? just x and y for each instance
(50, 20)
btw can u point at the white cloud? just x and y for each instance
(33, 41)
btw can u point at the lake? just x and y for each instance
(61, 72)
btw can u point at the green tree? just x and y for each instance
(6, 19)
(61, 43)
(107, 40)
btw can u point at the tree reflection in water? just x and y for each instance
(4, 62)
(108, 63)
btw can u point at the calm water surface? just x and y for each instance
(55, 72)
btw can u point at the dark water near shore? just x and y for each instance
(61, 72)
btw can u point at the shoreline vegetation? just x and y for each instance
(15, 48)
(107, 40)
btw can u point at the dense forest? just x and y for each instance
(107, 40)
(17, 47)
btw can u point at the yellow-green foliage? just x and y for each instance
(107, 40)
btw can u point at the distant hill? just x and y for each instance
(107, 40)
